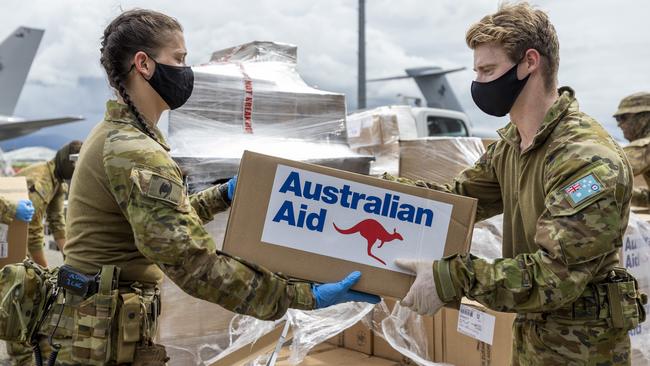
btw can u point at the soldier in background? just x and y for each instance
(564, 188)
(633, 117)
(47, 187)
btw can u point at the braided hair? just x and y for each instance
(133, 31)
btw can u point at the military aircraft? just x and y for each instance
(16, 55)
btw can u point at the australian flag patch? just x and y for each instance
(582, 189)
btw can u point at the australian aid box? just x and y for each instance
(317, 223)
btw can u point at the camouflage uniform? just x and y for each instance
(128, 207)
(7, 211)
(47, 193)
(556, 246)
(637, 107)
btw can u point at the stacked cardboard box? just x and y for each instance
(457, 348)
(445, 341)
(376, 133)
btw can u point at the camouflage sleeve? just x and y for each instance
(478, 182)
(7, 211)
(55, 213)
(169, 232)
(209, 202)
(576, 236)
(638, 157)
(36, 238)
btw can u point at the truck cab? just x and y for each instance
(441, 122)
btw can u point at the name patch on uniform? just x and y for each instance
(165, 190)
(582, 189)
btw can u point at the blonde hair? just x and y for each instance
(517, 28)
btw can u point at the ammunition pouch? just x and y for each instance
(616, 300)
(25, 295)
(139, 309)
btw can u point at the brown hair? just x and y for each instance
(132, 31)
(519, 27)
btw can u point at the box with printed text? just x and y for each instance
(317, 223)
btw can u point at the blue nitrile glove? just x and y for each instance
(24, 210)
(335, 293)
(232, 184)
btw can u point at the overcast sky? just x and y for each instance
(604, 47)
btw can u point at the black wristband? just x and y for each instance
(223, 189)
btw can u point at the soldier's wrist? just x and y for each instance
(223, 193)
(303, 298)
(445, 287)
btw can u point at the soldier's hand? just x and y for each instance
(24, 210)
(422, 297)
(336, 293)
(232, 184)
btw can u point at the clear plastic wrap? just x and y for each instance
(487, 238)
(251, 97)
(438, 159)
(377, 132)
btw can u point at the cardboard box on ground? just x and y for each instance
(318, 223)
(13, 238)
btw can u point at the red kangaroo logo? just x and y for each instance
(372, 231)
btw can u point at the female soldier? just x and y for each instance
(128, 208)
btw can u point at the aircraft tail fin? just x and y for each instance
(434, 86)
(16, 55)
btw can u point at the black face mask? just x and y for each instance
(496, 97)
(174, 84)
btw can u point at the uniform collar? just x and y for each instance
(564, 104)
(120, 113)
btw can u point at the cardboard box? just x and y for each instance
(13, 238)
(337, 340)
(358, 338)
(371, 129)
(461, 349)
(320, 224)
(324, 354)
(438, 159)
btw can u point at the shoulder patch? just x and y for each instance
(583, 188)
(165, 190)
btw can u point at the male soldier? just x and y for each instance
(23, 210)
(47, 189)
(633, 117)
(564, 188)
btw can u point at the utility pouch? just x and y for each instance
(93, 316)
(625, 300)
(24, 292)
(130, 320)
